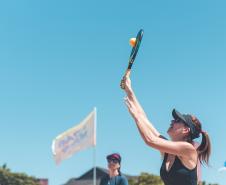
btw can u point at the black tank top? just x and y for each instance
(178, 173)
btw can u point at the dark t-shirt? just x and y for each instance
(117, 180)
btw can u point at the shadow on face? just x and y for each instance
(177, 130)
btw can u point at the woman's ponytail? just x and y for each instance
(204, 148)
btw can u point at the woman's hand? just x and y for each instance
(131, 107)
(126, 84)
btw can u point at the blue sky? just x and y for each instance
(59, 59)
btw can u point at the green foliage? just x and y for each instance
(146, 179)
(204, 183)
(9, 178)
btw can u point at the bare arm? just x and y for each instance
(131, 95)
(154, 141)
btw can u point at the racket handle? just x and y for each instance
(127, 73)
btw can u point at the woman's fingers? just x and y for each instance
(122, 84)
(127, 102)
(130, 106)
(125, 83)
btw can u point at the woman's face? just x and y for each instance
(113, 164)
(177, 130)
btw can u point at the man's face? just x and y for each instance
(113, 163)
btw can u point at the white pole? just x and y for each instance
(94, 166)
(94, 149)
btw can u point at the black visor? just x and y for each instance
(187, 120)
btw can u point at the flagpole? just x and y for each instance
(94, 148)
(94, 164)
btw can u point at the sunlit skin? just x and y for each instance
(179, 145)
(178, 131)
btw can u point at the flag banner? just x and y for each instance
(75, 139)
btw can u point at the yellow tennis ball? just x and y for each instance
(132, 42)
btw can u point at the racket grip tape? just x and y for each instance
(130, 64)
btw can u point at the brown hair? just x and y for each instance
(204, 148)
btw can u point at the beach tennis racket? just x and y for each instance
(133, 53)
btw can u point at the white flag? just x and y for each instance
(75, 139)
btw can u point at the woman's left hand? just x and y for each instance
(126, 84)
(131, 107)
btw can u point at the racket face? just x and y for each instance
(135, 49)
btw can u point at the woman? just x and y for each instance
(114, 176)
(181, 154)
